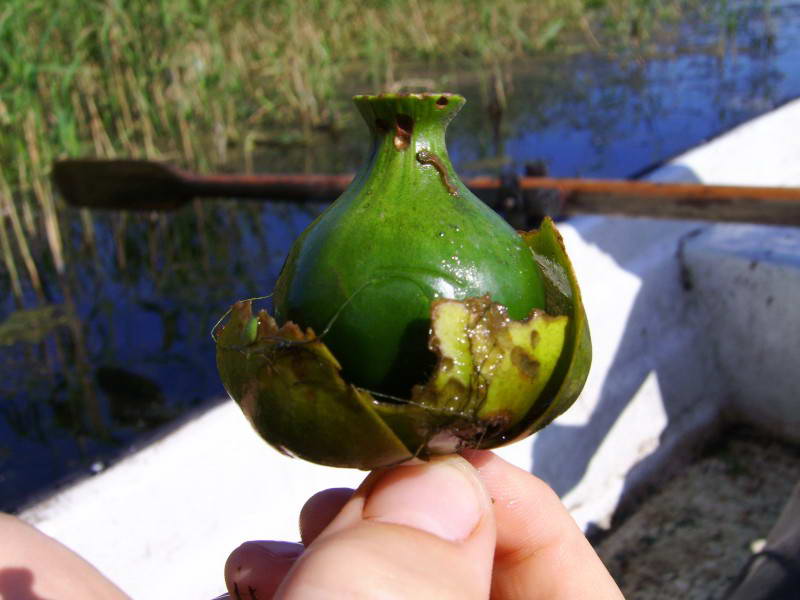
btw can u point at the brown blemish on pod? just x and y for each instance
(404, 127)
(527, 366)
(426, 157)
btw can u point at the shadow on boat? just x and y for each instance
(652, 346)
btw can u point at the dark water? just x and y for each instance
(121, 348)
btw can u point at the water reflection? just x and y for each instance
(118, 342)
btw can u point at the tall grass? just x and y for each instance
(199, 81)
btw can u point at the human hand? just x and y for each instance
(34, 566)
(471, 527)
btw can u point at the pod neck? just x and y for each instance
(408, 127)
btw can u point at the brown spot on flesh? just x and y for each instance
(527, 366)
(490, 343)
(473, 432)
(404, 127)
(426, 157)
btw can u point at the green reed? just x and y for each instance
(202, 82)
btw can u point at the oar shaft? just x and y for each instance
(284, 187)
(146, 185)
(775, 206)
(576, 196)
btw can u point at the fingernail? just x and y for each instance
(256, 569)
(279, 549)
(443, 497)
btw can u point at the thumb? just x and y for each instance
(418, 531)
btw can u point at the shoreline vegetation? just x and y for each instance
(202, 84)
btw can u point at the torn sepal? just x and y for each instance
(288, 384)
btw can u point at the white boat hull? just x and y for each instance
(686, 332)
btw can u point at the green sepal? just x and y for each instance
(287, 383)
(562, 297)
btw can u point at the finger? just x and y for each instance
(33, 565)
(319, 511)
(541, 552)
(421, 531)
(256, 569)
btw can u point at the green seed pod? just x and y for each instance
(410, 319)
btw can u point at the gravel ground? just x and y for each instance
(689, 539)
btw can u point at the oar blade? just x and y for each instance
(137, 185)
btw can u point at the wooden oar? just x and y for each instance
(145, 185)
